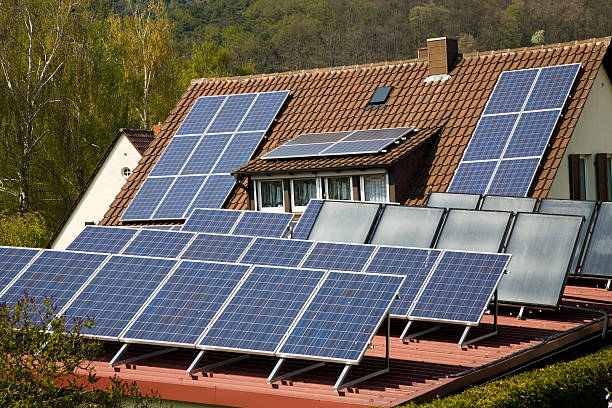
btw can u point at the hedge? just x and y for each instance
(27, 230)
(580, 383)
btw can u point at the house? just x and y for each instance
(441, 96)
(111, 173)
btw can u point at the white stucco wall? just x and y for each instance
(593, 134)
(101, 192)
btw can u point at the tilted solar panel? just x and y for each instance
(342, 221)
(408, 226)
(552, 87)
(177, 200)
(453, 200)
(472, 177)
(12, 261)
(231, 113)
(511, 91)
(264, 110)
(147, 198)
(220, 248)
(215, 221)
(108, 240)
(175, 154)
(516, 204)
(490, 137)
(206, 154)
(263, 224)
(468, 230)
(336, 256)
(307, 220)
(514, 177)
(163, 244)
(238, 151)
(201, 113)
(213, 193)
(278, 252)
(598, 257)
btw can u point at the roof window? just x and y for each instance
(379, 97)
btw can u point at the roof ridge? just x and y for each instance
(342, 68)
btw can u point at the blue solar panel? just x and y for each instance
(343, 317)
(179, 196)
(117, 292)
(358, 147)
(532, 134)
(297, 150)
(55, 275)
(414, 264)
(340, 257)
(166, 244)
(279, 252)
(211, 220)
(513, 177)
(200, 115)
(222, 248)
(238, 152)
(231, 113)
(213, 192)
(511, 91)
(187, 303)
(263, 224)
(148, 197)
(102, 239)
(304, 225)
(262, 310)
(206, 154)
(12, 261)
(263, 111)
(552, 87)
(460, 287)
(472, 177)
(174, 156)
(490, 137)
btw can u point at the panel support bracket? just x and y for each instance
(115, 363)
(190, 369)
(404, 336)
(521, 313)
(272, 378)
(218, 364)
(609, 284)
(118, 354)
(462, 343)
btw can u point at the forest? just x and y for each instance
(72, 72)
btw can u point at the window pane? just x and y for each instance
(375, 188)
(303, 191)
(339, 188)
(271, 194)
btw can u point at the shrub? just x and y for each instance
(27, 230)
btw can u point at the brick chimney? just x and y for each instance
(156, 129)
(422, 53)
(442, 54)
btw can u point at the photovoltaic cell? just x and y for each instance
(214, 192)
(511, 91)
(460, 287)
(532, 134)
(340, 257)
(220, 248)
(231, 113)
(490, 137)
(358, 147)
(472, 177)
(306, 221)
(174, 156)
(552, 87)
(277, 252)
(343, 316)
(297, 150)
(147, 198)
(55, 275)
(415, 264)
(513, 177)
(187, 303)
(263, 111)
(102, 239)
(162, 244)
(238, 152)
(12, 261)
(206, 154)
(118, 292)
(200, 115)
(211, 220)
(262, 310)
(262, 224)
(179, 196)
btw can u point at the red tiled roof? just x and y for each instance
(332, 99)
(141, 139)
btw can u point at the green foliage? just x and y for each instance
(24, 230)
(580, 383)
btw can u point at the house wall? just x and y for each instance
(593, 134)
(101, 192)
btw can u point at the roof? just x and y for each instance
(429, 366)
(332, 99)
(141, 139)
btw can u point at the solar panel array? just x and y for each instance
(514, 130)
(219, 134)
(235, 222)
(307, 220)
(339, 143)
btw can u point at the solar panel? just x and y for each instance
(162, 244)
(220, 248)
(490, 137)
(511, 91)
(238, 152)
(468, 230)
(117, 292)
(206, 154)
(12, 261)
(598, 257)
(186, 304)
(147, 198)
(373, 134)
(263, 308)
(532, 134)
(174, 156)
(357, 147)
(278, 252)
(264, 110)
(340, 257)
(552, 87)
(514, 177)
(460, 288)
(178, 197)
(263, 224)
(571, 207)
(453, 200)
(55, 275)
(306, 221)
(542, 247)
(108, 240)
(516, 204)
(342, 318)
(408, 226)
(413, 263)
(213, 193)
(202, 112)
(211, 220)
(344, 221)
(231, 113)
(302, 150)
(472, 177)
(312, 138)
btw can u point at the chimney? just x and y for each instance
(442, 54)
(422, 53)
(156, 129)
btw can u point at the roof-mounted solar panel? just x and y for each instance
(307, 220)
(108, 240)
(501, 203)
(598, 257)
(469, 230)
(344, 221)
(263, 224)
(216, 221)
(453, 200)
(408, 226)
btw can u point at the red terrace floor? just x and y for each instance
(418, 369)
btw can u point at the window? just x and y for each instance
(270, 197)
(583, 178)
(126, 172)
(580, 177)
(302, 190)
(339, 188)
(375, 188)
(380, 96)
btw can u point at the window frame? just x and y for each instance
(260, 207)
(302, 208)
(362, 187)
(350, 177)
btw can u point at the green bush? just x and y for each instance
(24, 230)
(579, 383)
